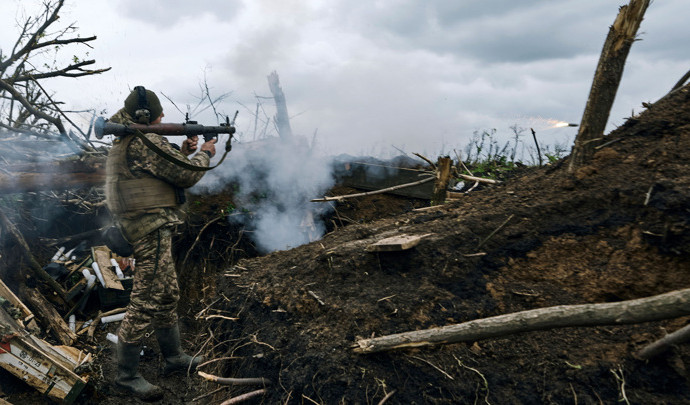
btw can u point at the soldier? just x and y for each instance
(144, 193)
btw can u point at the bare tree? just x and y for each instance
(25, 105)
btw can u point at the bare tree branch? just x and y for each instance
(64, 72)
(55, 121)
(29, 46)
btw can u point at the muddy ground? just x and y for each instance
(614, 230)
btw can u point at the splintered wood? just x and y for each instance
(396, 243)
(49, 369)
(101, 255)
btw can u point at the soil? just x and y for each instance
(614, 230)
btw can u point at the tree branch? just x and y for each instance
(55, 121)
(65, 72)
(29, 46)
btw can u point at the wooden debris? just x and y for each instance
(316, 297)
(422, 209)
(23, 182)
(7, 294)
(478, 179)
(49, 316)
(216, 316)
(243, 397)
(384, 190)
(442, 179)
(234, 381)
(396, 243)
(49, 369)
(387, 397)
(659, 307)
(682, 335)
(26, 252)
(369, 176)
(606, 80)
(495, 231)
(101, 255)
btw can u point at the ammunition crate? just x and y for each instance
(112, 298)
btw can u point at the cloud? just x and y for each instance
(487, 31)
(166, 14)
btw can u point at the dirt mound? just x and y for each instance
(614, 230)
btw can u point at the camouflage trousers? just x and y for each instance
(155, 292)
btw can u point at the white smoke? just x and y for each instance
(272, 182)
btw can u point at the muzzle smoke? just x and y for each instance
(273, 181)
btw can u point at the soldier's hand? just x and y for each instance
(189, 145)
(210, 146)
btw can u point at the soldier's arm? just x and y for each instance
(168, 171)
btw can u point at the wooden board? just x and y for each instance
(396, 243)
(7, 294)
(101, 255)
(48, 369)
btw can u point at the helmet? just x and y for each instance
(143, 105)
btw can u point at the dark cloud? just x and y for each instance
(496, 31)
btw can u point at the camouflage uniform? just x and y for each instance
(155, 292)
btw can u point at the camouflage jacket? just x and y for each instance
(144, 162)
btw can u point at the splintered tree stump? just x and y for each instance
(606, 81)
(655, 308)
(442, 178)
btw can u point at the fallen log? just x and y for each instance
(659, 307)
(234, 381)
(682, 335)
(48, 316)
(25, 182)
(243, 397)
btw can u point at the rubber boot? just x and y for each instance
(128, 377)
(171, 348)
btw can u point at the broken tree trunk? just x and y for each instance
(442, 178)
(24, 182)
(49, 316)
(682, 335)
(655, 308)
(26, 252)
(282, 119)
(606, 80)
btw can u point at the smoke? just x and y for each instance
(272, 182)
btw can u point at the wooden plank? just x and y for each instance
(33, 361)
(396, 243)
(7, 294)
(371, 177)
(101, 255)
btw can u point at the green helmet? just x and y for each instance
(143, 105)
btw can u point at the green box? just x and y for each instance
(112, 298)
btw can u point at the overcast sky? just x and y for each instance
(371, 76)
